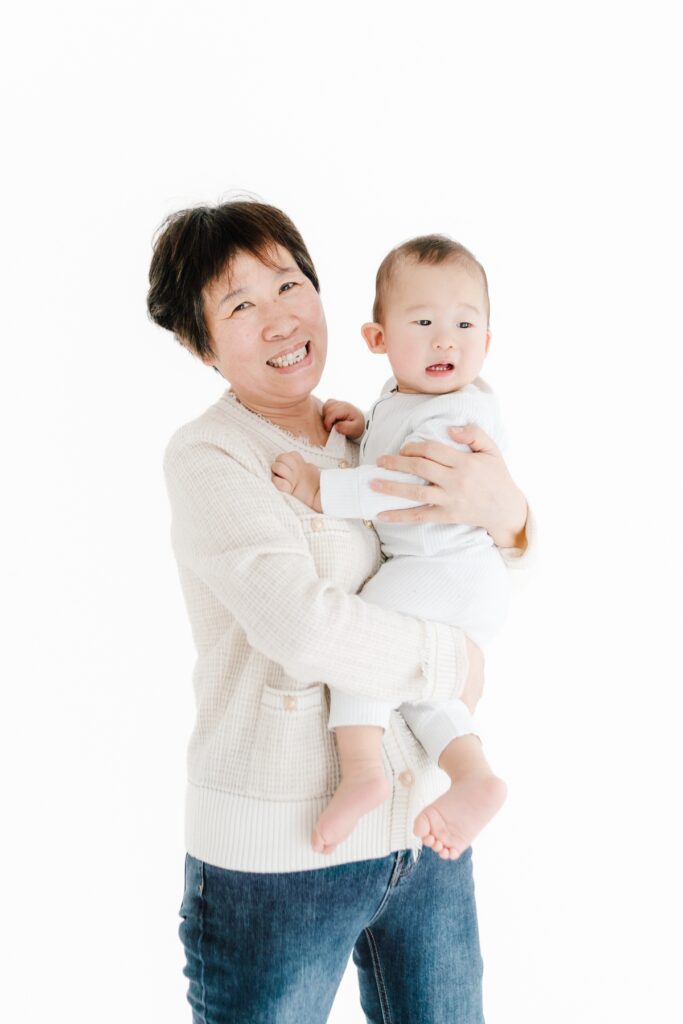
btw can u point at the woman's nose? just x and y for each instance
(279, 326)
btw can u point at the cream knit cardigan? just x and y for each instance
(270, 588)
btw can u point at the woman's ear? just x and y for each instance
(374, 337)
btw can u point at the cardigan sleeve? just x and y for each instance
(233, 529)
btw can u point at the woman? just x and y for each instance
(269, 925)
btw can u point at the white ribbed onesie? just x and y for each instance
(444, 573)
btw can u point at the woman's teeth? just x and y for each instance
(288, 360)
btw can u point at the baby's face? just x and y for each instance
(435, 326)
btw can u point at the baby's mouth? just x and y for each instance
(440, 368)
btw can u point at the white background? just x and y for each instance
(546, 139)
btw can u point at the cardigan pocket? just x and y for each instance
(293, 756)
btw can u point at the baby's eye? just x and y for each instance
(465, 323)
(423, 323)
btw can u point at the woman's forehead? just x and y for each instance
(271, 258)
(246, 269)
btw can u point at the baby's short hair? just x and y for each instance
(424, 249)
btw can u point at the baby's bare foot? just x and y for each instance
(356, 795)
(450, 824)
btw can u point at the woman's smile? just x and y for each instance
(294, 356)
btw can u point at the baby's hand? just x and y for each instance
(348, 420)
(293, 475)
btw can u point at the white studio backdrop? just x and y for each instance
(544, 137)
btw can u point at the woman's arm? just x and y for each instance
(234, 531)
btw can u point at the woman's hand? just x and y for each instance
(474, 686)
(463, 487)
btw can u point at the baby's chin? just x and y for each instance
(435, 382)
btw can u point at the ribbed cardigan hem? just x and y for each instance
(242, 833)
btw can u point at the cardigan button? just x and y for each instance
(406, 779)
(290, 703)
(317, 525)
(344, 464)
(368, 523)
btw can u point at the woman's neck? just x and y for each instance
(302, 419)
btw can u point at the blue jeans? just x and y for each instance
(272, 948)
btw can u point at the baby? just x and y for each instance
(431, 317)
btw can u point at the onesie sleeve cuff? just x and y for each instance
(339, 493)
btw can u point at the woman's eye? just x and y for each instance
(242, 305)
(423, 323)
(288, 286)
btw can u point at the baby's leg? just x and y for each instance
(363, 785)
(478, 588)
(451, 822)
(359, 725)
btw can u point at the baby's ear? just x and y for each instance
(488, 342)
(374, 337)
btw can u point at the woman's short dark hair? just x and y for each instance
(193, 247)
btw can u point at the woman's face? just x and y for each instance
(267, 330)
